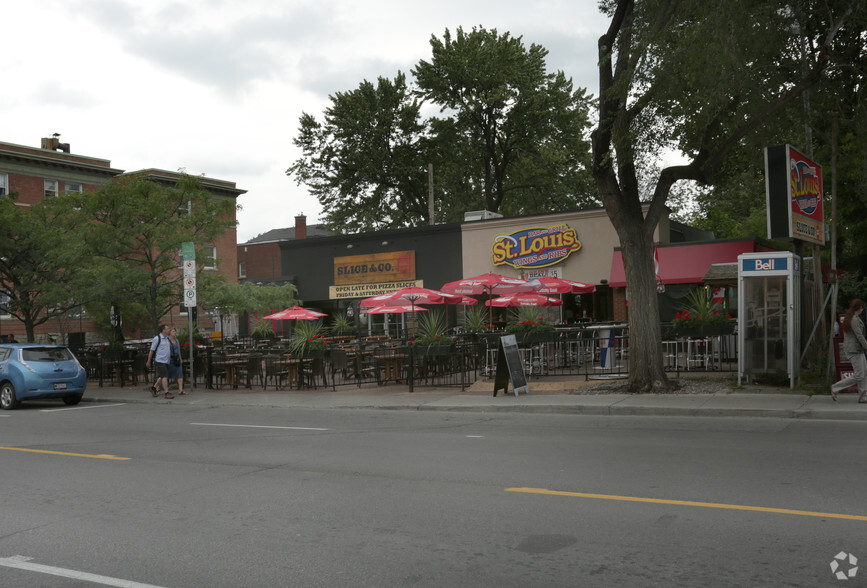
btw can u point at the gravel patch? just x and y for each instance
(680, 387)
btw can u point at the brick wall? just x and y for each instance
(263, 260)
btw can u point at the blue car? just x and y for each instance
(29, 371)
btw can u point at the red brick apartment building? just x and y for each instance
(38, 173)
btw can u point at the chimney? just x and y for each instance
(300, 226)
(53, 143)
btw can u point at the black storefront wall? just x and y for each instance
(438, 251)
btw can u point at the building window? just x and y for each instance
(242, 269)
(4, 184)
(50, 188)
(210, 257)
(71, 187)
(4, 301)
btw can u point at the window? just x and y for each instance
(242, 269)
(50, 188)
(4, 184)
(72, 187)
(210, 257)
(4, 301)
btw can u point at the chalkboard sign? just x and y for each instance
(510, 366)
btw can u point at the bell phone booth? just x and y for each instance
(769, 315)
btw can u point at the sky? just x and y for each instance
(217, 87)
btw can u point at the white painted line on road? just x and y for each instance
(23, 563)
(5, 415)
(258, 426)
(81, 407)
(475, 436)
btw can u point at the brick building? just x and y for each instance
(51, 169)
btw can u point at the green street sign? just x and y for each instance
(188, 249)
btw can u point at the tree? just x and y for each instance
(365, 163)
(134, 230)
(37, 244)
(525, 126)
(512, 140)
(676, 74)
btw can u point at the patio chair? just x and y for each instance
(252, 371)
(276, 373)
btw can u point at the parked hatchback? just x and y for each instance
(29, 371)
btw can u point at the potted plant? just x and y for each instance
(475, 320)
(308, 341)
(431, 338)
(263, 331)
(701, 318)
(528, 326)
(342, 326)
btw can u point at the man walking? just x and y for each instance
(161, 350)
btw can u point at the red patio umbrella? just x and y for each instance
(413, 295)
(489, 284)
(393, 310)
(552, 285)
(524, 300)
(296, 312)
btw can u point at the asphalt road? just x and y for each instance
(164, 495)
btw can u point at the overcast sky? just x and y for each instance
(217, 86)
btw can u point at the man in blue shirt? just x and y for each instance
(161, 352)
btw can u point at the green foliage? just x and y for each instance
(514, 139)
(431, 329)
(341, 324)
(263, 330)
(215, 293)
(37, 245)
(852, 285)
(705, 82)
(307, 336)
(700, 311)
(526, 319)
(475, 319)
(132, 229)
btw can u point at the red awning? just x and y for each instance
(687, 263)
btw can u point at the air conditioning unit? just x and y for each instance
(475, 215)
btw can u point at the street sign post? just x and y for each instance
(188, 250)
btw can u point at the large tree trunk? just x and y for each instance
(646, 368)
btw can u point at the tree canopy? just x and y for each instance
(677, 74)
(511, 138)
(37, 250)
(132, 238)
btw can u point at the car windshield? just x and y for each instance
(46, 354)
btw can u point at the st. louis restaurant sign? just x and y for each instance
(535, 247)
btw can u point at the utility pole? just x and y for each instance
(430, 200)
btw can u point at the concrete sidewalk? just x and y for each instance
(563, 396)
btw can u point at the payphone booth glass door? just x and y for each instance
(769, 315)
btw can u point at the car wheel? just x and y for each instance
(72, 399)
(8, 401)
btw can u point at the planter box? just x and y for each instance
(705, 331)
(433, 350)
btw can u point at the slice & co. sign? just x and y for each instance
(395, 266)
(535, 247)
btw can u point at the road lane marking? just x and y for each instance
(258, 426)
(81, 407)
(475, 436)
(803, 513)
(100, 456)
(23, 563)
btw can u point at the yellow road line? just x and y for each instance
(101, 456)
(803, 513)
